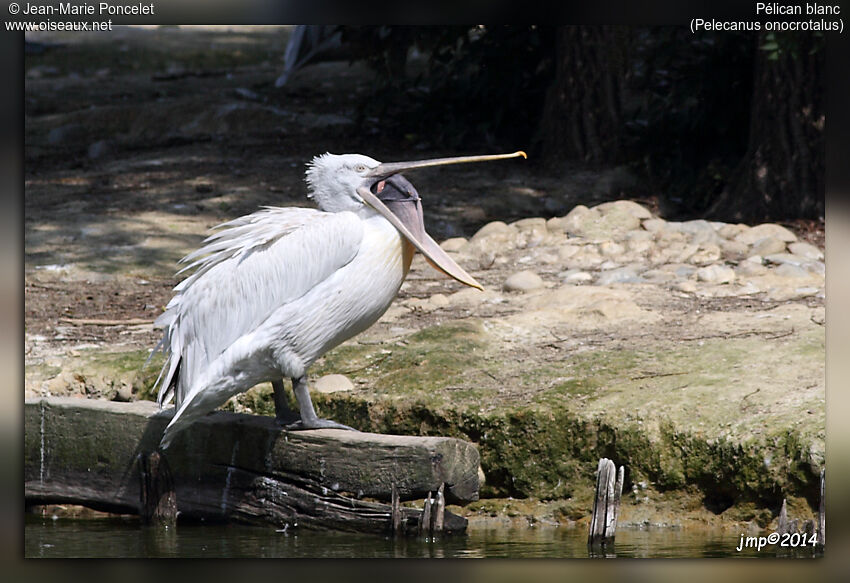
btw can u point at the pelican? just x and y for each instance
(274, 290)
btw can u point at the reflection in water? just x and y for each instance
(124, 537)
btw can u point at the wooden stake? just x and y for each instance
(609, 489)
(395, 513)
(439, 511)
(425, 521)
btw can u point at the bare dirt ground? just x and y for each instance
(140, 140)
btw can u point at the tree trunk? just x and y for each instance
(582, 116)
(782, 173)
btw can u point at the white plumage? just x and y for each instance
(274, 290)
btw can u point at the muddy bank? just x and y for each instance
(692, 353)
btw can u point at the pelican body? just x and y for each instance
(274, 290)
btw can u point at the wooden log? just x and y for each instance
(229, 466)
(609, 489)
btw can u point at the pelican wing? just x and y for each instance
(245, 271)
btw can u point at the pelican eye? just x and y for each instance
(360, 168)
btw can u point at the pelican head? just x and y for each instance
(347, 182)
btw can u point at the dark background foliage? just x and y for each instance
(687, 113)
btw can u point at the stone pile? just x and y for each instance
(622, 242)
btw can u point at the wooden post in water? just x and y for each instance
(425, 520)
(439, 511)
(395, 513)
(606, 505)
(157, 499)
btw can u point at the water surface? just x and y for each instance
(125, 537)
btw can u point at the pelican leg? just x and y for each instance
(282, 413)
(309, 419)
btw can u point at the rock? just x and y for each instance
(768, 246)
(567, 251)
(706, 254)
(658, 276)
(806, 250)
(818, 267)
(529, 224)
(639, 242)
(333, 383)
(682, 271)
(749, 268)
(523, 281)
(626, 274)
(454, 244)
(532, 232)
(784, 258)
(687, 286)
(789, 270)
(612, 222)
(66, 382)
(639, 235)
(654, 225)
(575, 276)
(675, 252)
(124, 393)
(470, 297)
(700, 231)
(493, 228)
(587, 257)
(638, 246)
(716, 274)
(494, 238)
(573, 221)
(754, 234)
(730, 231)
(439, 300)
(734, 250)
(628, 206)
(611, 249)
(556, 225)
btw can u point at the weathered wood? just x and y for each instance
(229, 466)
(609, 489)
(425, 521)
(157, 498)
(438, 520)
(618, 494)
(396, 511)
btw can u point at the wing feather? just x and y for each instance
(247, 269)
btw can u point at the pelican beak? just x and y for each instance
(396, 199)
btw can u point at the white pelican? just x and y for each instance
(274, 290)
